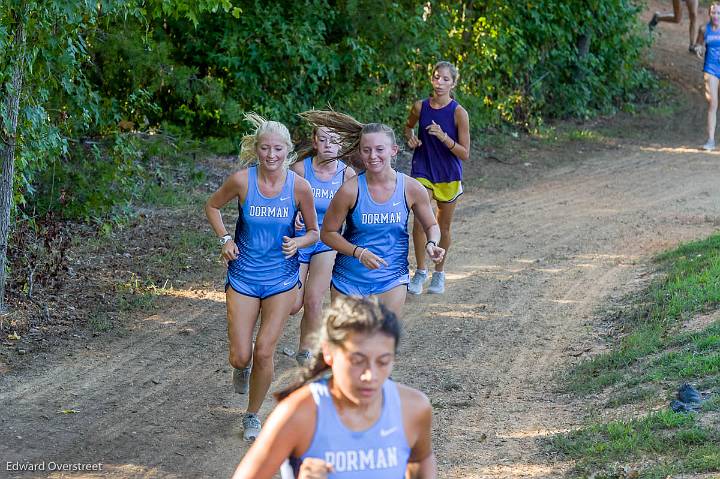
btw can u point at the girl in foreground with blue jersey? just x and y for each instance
(325, 173)
(263, 269)
(374, 206)
(709, 38)
(355, 424)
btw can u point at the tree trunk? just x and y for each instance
(8, 135)
(583, 47)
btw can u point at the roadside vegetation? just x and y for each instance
(665, 336)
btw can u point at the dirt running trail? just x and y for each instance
(528, 268)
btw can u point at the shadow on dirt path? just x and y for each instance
(528, 268)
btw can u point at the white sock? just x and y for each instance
(421, 271)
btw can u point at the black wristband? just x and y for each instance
(454, 144)
(354, 250)
(430, 241)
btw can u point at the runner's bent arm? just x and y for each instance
(461, 148)
(335, 216)
(417, 418)
(306, 204)
(409, 132)
(299, 170)
(235, 186)
(700, 42)
(419, 202)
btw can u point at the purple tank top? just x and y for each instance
(433, 160)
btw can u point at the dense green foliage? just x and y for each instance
(518, 60)
(163, 66)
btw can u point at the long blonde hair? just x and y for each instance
(348, 129)
(249, 142)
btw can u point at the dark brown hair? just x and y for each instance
(344, 316)
(453, 73)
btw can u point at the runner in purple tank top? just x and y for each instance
(441, 147)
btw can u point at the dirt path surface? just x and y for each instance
(529, 267)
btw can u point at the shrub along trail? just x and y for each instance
(529, 267)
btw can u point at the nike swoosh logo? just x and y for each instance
(387, 432)
(286, 198)
(336, 182)
(287, 283)
(395, 204)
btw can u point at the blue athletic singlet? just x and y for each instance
(261, 224)
(383, 229)
(379, 452)
(323, 192)
(712, 51)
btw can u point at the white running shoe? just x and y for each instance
(416, 283)
(241, 379)
(251, 426)
(437, 284)
(709, 146)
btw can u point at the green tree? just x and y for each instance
(43, 44)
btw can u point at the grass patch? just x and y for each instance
(184, 248)
(100, 322)
(691, 285)
(652, 357)
(172, 196)
(675, 443)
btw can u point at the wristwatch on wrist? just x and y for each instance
(225, 239)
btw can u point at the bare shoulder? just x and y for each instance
(413, 401)
(301, 184)
(240, 175)
(296, 412)
(413, 187)
(300, 401)
(417, 106)
(299, 168)
(238, 180)
(461, 112)
(349, 172)
(299, 413)
(349, 187)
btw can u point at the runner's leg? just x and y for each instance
(274, 313)
(317, 284)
